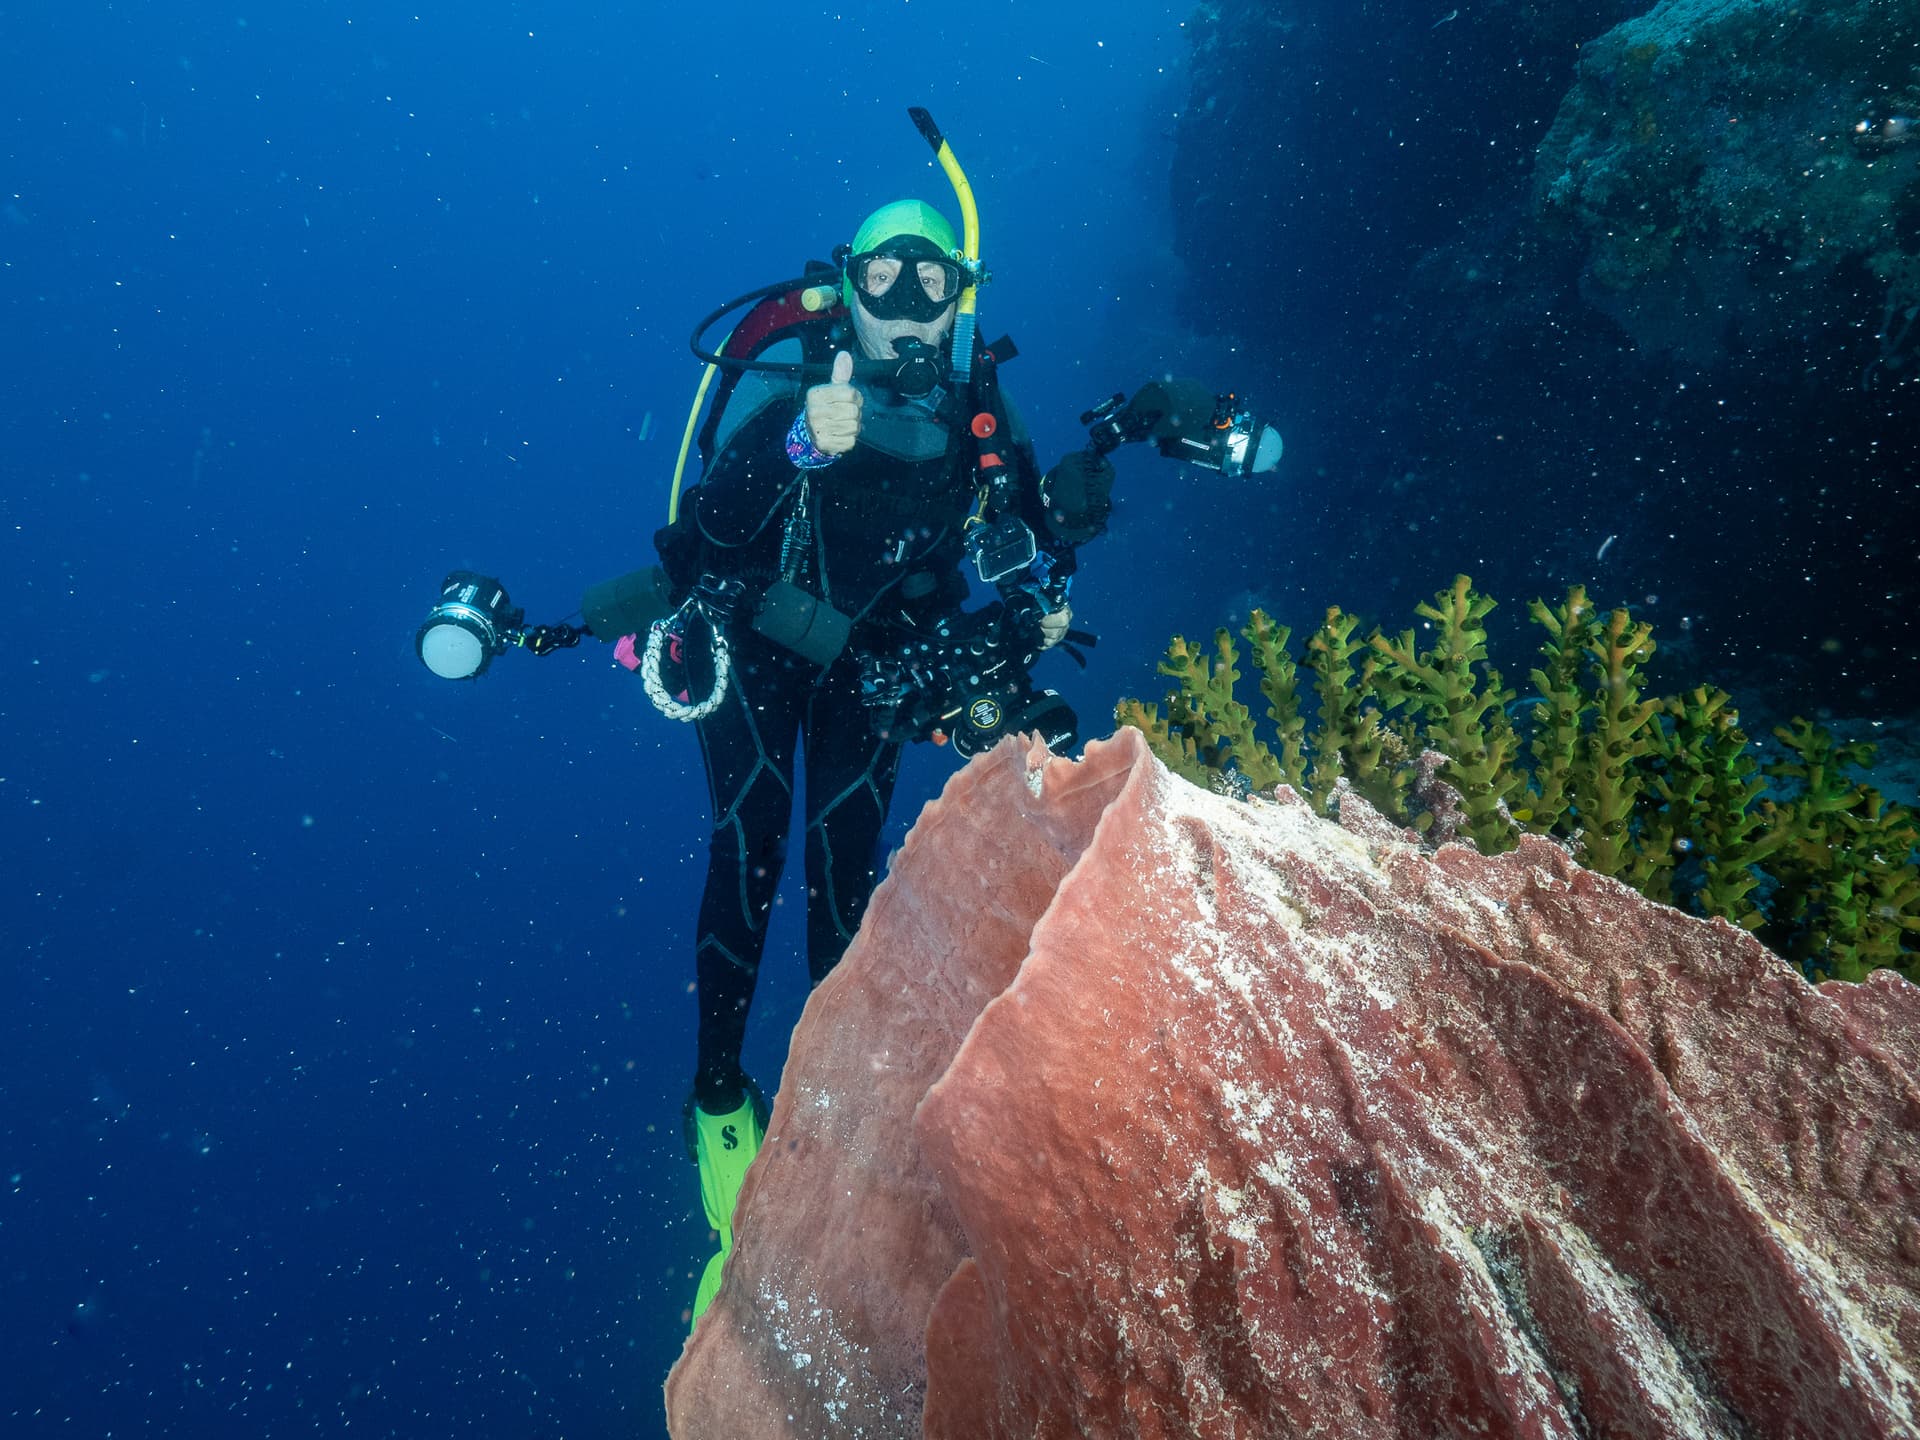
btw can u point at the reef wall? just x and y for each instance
(1743, 175)
(1135, 1110)
(1517, 278)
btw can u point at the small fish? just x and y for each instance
(1450, 15)
(1601, 553)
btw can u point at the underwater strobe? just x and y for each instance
(1186, 421)
(1240, 444)
(473, 622)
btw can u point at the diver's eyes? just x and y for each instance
(882, 271)
(933, 279)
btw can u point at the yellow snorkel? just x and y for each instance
(965, 323)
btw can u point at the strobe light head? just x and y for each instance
(1236, 444)
(1250, 446)
(473, 622)
(1187, 421)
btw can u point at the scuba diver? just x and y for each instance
(852, 462)
(808, 611)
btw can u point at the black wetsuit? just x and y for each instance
(882, 546)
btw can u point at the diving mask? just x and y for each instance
(907, 278)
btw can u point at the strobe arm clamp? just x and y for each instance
(545, 639)
(1110, 424)
(720, 600)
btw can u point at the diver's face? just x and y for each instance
(877, 337)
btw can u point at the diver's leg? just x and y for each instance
(850, 778)
(748, 749)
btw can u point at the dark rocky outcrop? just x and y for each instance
(1134, 1110)
(1516, 278)
(1736, 175)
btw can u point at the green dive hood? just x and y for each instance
(889, 222)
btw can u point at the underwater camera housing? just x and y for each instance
(1186, 421)
(1002, 549)
(473, 622)
(985, 718)
(968, 684)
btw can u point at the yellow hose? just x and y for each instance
(686, 440)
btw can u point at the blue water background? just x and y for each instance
(345, 1015)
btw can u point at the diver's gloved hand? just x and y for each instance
(1054, 625)
(1078, 494)
(833, 409)
(1172, 409)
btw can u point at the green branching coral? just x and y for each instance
(1556, 725)
(1848, 886)
(1330, 658)
(1351, 741)
(1458, 706)
(1870, 894)
(1278, 678)
(1666, 794)
(1609, 775)
(1707, 783)
(1207, 731)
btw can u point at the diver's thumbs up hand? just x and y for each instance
(833, 409)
